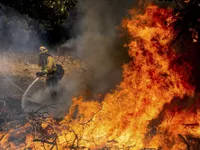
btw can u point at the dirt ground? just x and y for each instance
(17, 72)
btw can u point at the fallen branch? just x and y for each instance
(191, 124)
(47, 142)
(185, 141)
(55, 144)
(3, 135)
(44, 141)
(90, 120)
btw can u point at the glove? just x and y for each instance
(40, 74)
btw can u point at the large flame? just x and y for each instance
(124, 119)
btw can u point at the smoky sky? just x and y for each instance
(97, 41)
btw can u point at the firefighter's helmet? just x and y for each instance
(43, 49)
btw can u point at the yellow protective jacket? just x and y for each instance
(47, 63)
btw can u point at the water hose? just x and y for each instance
(24, 95)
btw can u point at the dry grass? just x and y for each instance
(17, 71)
(25, 64)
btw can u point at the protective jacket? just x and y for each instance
(47, 63)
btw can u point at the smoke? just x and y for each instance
(98, 43)
(17, 32)
(58, 105)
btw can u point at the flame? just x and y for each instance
(153, 78)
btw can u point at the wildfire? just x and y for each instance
(124, 119)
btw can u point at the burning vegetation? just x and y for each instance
(154, 107)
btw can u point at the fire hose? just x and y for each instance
(25, 93)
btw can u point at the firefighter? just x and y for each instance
(53, 71)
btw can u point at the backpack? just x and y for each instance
(60, 71)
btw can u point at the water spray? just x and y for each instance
(24, 95)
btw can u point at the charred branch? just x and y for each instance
(47, 142)
(191, 124)
(90, 120)
(184, 141)
(194, 142)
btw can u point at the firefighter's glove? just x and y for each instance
(40, 74)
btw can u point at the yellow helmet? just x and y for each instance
(43, 49)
